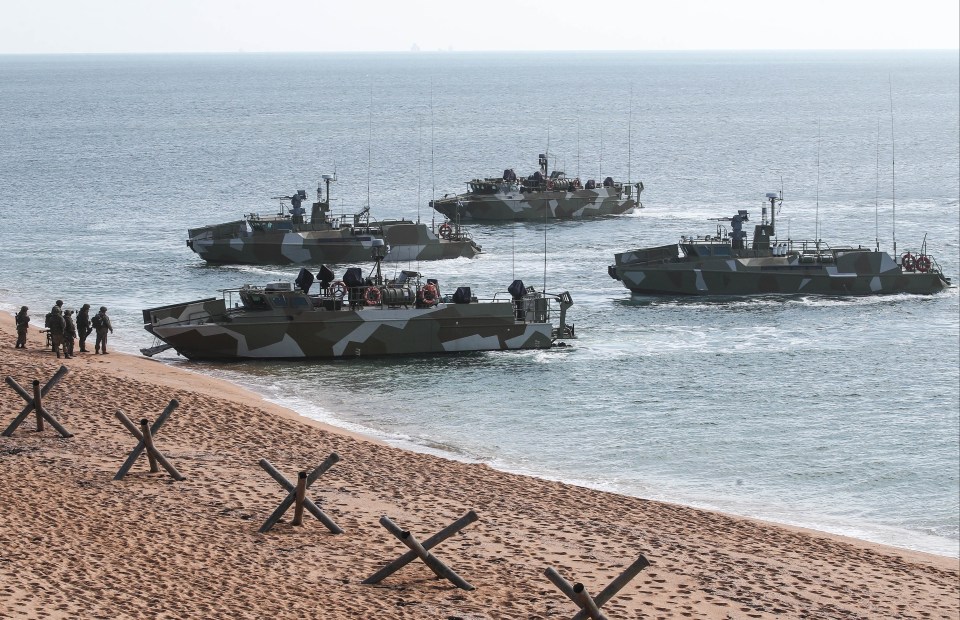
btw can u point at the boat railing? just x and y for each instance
(534, 307)
(919, 261)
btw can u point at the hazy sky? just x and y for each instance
(57, 26)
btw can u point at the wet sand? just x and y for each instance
(74, 543)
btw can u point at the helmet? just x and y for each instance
(103, 308)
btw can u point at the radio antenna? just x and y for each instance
(433, 179)
(369, 147)
(876, 208)
(817, 211)
(630, 137)
(893, 167)
(419, 160)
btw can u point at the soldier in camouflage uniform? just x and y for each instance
(69, 333)
(83, 326)
(56, 326)
(101, 323)
(57, 307)
(23, 322)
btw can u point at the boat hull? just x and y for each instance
(201, 331)
(582, 203)
(405, 242)
(853, 273)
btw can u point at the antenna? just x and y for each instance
(817, 212)
(601, 155)
(545, 211)
(369, 148)
(546, 170)
(513, 251)
(433, 180)
(876, 209)
(630, 137)
(893, 168)
(578, 146)
(419, 160)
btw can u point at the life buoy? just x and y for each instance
(429, 294)
(339, 289)
(445, 231)
(923, 263)
(372, 296)
(909, 262)
(549, 184)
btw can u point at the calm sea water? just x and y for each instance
(837, 414)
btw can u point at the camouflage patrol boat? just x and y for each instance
(726, 264)
(357, 317)
(538, 197)
(288, 237)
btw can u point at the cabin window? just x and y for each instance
(300, 302)
(278, 300)
(254, 301)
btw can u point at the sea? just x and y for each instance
(837, 414)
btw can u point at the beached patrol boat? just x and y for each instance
(357, 317)
(539, 196)
(288, 237)
(728, 264)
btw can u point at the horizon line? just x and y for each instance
(453, 51)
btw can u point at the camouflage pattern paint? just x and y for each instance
(539, 196)
(716, 269)
(277, 241)
(292, 325)
(513, 205)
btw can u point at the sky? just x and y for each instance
(173, 26)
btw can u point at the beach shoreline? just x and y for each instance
(149, 546)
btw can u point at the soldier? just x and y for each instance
(69, 333)
(56, 327)
(101, 323)
(57, 307)
(83, 326)
(23, 321)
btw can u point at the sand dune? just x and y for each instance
(74, 543)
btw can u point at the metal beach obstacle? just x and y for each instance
(590, 606)
(297, 495)
(422, 551)
(144, 435)
(35, 403)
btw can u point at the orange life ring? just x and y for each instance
(923, 263)
(445, 230)
(429, 294)
(372, 296)
(549, 184)
(339, 289)
(909, 262)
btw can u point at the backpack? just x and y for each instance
(97, 321)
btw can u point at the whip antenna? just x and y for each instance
(876, 208)
(893, 166)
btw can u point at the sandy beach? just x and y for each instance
(74, 543)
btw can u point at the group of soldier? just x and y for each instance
(63, 330)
